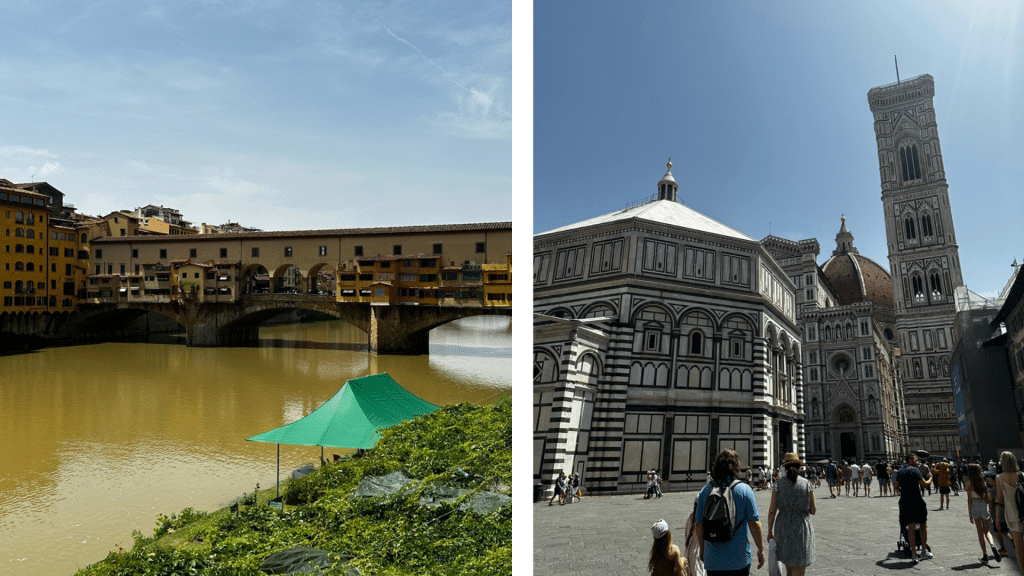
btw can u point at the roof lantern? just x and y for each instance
(667, 186)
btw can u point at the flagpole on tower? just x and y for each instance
(897, 68)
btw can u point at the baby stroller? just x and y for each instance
(903, 544)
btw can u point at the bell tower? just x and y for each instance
(923, 256)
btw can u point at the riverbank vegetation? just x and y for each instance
(448, 512)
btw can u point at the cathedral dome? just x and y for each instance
(856, 278)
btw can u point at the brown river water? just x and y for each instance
(96, 440)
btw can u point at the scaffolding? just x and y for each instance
(967, 299)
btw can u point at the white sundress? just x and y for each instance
(1010, 506)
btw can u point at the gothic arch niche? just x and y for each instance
(844, 414)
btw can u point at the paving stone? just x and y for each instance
(610, 535)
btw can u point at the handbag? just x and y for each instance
(774, 566)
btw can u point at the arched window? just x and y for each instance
(918, 285)
(19, 248)
(19, 266)
(909, 163)
(30, 267)
(935, 284)
(696, 342)
(926, 226)
(31, 249)
(908, 223)
(30, 219)
(19, 287)
(19, 217)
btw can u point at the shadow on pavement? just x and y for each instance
(992, 564)
(895, 561)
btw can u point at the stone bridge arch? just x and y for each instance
(125, 320)
(390, 329)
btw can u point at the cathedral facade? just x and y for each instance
(924, 261)
(661, 337)
(852, 389)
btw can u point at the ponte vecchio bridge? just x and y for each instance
(394, 283)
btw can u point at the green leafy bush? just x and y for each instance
(460, 447)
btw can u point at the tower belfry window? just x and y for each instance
(918, 287)
(936, 285)
(909, 163)
(926, 226)
(909, 225)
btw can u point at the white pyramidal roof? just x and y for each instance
(663, 212)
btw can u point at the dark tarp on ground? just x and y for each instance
(382, 485)
(305, 560)
(481, 503)
(353, 417)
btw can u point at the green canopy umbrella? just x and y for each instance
(352, 418)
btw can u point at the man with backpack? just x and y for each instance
(725, 513)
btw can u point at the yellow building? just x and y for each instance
(424, 281)
(122, 224)
(68, 265)
(23, 217)
(497, 283)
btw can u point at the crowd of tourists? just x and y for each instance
(725, 518)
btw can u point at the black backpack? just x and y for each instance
(720, 514)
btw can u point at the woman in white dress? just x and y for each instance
(1006, 502)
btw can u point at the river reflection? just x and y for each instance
(96, 440)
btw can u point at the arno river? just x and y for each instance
(96, 440)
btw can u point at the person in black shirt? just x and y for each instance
(912, 507)
(883, 478)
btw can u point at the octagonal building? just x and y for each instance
(661, 336)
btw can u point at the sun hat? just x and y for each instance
(791, 458)
(659, 528)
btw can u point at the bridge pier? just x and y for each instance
(389, 332)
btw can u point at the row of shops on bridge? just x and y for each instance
(383, 280)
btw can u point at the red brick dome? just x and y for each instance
(856, 278)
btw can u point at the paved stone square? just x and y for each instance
(611, 536)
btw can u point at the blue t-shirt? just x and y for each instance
(734, 554)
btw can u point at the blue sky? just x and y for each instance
(763, 108)
(279, 115)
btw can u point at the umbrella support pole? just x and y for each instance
(278, 470)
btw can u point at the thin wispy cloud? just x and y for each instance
(472, 92)
(290, 114)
